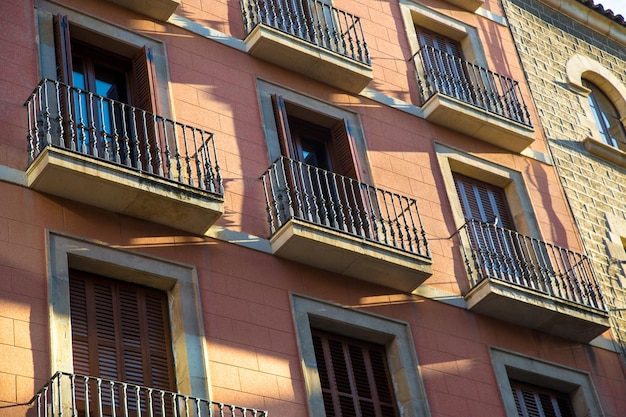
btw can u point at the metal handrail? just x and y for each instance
(313, 21)
(437, 71)
(70, 395)
(493, 252)
(295, 190)
(80, 121)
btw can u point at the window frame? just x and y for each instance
(318, 112)
(178, 280)
(509, 365)
(555, 398)
(347, 384)
(452, 160)
(596, 98)
(414, 14)
(123, 329)
(104, 35)
(579, 68)
(395, 335)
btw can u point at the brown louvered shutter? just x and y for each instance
(438, 42)
(533, 401)
(354, 377)
(482, 201)
(144, 94)
(62, 48)
(282, 127)
(120, 331)
(345, 152)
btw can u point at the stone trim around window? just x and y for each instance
(310, 107)
(579, 68)
(395, 335)
(178, 280)
(452, 160)
(100, 33)
(414, 13)
(578, 384)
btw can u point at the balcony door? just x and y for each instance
(120, 332)
(443, 63)
(322, 169)
(98, 119)
(491, 228)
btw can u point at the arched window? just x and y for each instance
(606, 117)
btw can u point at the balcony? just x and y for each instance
(333, 222)
(70, 395)
(472, 100)
(105, 153)
(309, 37)
(531, 283)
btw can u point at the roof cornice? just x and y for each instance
(593, 16)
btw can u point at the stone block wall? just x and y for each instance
(595, 188)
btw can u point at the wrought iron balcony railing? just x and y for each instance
(95, 126)
(313, 21)
(440, 72)
(294, 190)
(71, 395)
(492, 252)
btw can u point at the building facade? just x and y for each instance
(262, 207)
(577, 76)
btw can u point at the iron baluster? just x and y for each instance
(127, 142)
(33, 130)
(168, 154)
(290, 203)
(60, 120)
(330, 206)
(46, 116)
(337, 201)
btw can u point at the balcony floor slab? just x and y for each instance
(474, 121)
(533, 309)
(345, 254)
(122, 190)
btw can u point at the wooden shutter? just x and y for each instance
(144, 96)
(345, 150)
(438, 42)
(483, 202)
(144, 85)
(532, 401)
(354, 377)
(120, 331)
(62, 48)
(287, 147)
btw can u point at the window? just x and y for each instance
(530, 386)
(606, 116)
(160, 288)
(102, 124)
(354, 376)
(422, 21)
(318, 165)
(120, 331)
(502, 189)
(603, 99)
(443, 64)
(315, 139)
(499, 251)
(533, 401)
(483, 202)
(371, 366)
